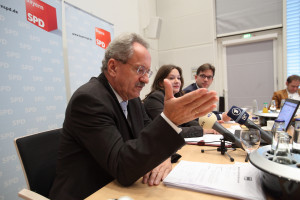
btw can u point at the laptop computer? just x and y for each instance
(288, 111)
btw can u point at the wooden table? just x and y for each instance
(139, 191)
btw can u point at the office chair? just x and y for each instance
(222, 104)
(38, 155)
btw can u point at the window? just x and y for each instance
(293, 36)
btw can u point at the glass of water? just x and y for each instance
(250, 139)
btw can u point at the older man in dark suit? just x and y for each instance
(103, 141)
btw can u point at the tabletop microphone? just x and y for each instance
(240, 116)
(210, 122)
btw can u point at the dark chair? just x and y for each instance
(38, 155)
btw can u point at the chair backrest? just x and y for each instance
(38, 155)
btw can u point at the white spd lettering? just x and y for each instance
(100, 43)
(35, 20)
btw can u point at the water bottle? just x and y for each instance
(254, 106)
(279, 127)
(282, 153)
(255, 119)
(265, 108)
(296, 137)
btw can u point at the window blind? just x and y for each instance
(293, 36)
(242, 16)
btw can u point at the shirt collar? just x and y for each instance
(117, 95)
(293, 95)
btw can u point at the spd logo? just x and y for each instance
(102, 37)
(41, 15)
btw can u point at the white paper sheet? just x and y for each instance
(239, 180)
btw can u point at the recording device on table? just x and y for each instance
(240, 116)
(210, 122)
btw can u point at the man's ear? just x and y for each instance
(112, 67)
(196, 77)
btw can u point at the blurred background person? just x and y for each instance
(203, 79)
(292, 90)
(154, 101)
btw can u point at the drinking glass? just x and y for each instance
(250, 139)
(273, 106)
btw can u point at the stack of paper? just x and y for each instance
(239, 180)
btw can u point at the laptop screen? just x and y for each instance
(288, 111)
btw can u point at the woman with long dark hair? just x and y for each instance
(154, 101)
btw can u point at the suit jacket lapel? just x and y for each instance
(130, 131)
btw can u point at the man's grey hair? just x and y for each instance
(121, 48)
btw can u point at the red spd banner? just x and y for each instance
(41, 14)
(102, 37)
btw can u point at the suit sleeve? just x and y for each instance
(99, 128)
(277, 99)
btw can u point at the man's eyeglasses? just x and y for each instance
(141, 70)
(208, 77)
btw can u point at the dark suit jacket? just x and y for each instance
(98, 144)
(190, 88)
(279, 95)
(154, 105)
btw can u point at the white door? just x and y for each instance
(250, 71)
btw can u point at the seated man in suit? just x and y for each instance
(292, 90)
(204, 78)
(107, 134)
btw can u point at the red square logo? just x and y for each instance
(41, 14)
(102, 37)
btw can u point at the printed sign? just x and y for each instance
(41, 15)
(102, 37)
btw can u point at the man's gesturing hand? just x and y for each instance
(188, 107)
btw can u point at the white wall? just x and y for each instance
(123, 14)
(187, 36)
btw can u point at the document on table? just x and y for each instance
(239, 180)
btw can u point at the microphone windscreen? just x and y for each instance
(207, 121)
(238, 114)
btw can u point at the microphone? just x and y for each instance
(210, 122)
(240, 116)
